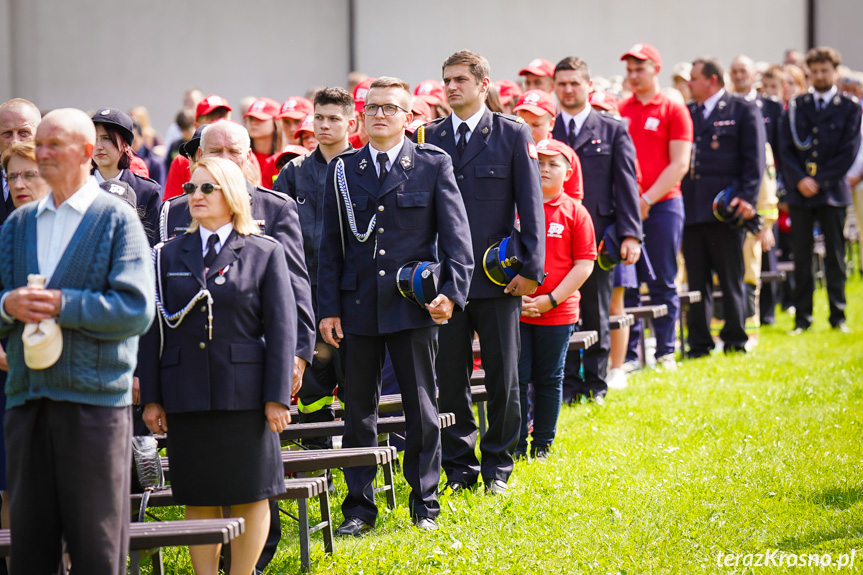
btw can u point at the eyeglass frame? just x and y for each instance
(382, 108)
(28, 176)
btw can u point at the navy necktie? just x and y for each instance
(572, 134)
(211, 250)
(462, 140)
(382, 161)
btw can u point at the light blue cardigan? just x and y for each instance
(106, 276)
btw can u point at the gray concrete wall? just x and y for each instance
(839, 23)
(94, 53)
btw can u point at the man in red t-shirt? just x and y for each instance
(548, 317)
(661, 130)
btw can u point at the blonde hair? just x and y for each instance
(233, 186)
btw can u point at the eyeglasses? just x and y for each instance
(206, 188)
(389, 109)
(28, 176)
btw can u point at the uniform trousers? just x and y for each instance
(769, 290)
(595, 301)
(832, 224)
(413, 354)
(662, 233)
(708, 248)
(496, 320)
(69, 476)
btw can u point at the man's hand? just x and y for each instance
(534, 307)
(331, 330)
(854, 180)
(32, 305)
(4, 361)
(136, 391)
(765, 236)
(155, 418)
(630, 251)
(440, 308)
(278, 415)
(520, 286)
(745, 209)
(645, 209)
(808, 187)
(299, 369)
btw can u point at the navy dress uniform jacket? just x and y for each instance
(420, 217)
(607, 155)
(834, 134)
(277, 216)
(497, 176)
(771, 113)
(249, 361)
(149, 198)
(728, 149)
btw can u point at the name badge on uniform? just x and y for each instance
(179, 274)
(261, 223)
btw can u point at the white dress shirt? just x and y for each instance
(711, 102)
(392, 155)
(100, 179)
(579, 118)
(223, 234)
(471, 124)
(825, 96)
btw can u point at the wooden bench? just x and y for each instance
(300, 489)
(687, 298)
(579, 340)
(620, 321)
(147, 539)
(646, 313)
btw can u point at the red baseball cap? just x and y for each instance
(421, 107)
(538, 67)
(209, 104)
(507, 90)
(361, 90)
(642, 51)
(291, 150)
(431, 88)
(604, 100)
(415, 125)
(263, 109)
(551, 147)
(308, 125)
(296, 108)
(538, 102)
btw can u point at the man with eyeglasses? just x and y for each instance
(277, 216)
(394, 203)
(497, 171)
(19, 119)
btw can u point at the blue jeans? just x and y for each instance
(541, 362)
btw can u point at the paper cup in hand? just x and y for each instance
(43, 341)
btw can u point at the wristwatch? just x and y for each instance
(553, 301)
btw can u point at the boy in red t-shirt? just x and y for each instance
(549, 316)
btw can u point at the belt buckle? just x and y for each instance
(811, 169)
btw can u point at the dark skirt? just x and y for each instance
(223, 458)
(625, 276)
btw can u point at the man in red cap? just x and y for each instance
(292, 113)
(538, 75)
(209, 110)
(360, 138)
(508, 92)
(661, 129)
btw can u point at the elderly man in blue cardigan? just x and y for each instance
(68, 426)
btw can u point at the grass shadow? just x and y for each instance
(840, 498)
(850, 536)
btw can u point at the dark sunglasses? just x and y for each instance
(189, 188)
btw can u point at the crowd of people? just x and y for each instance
(361, 240)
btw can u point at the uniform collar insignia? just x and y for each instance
(485, 130)
(836, 100)
(363, 165)
(405, 161)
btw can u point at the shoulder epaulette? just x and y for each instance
(266, 237)
(851, 97)
(145, 178)
(272, 192)
(436, 121)
(349, 152)
(511, 118)
(430, 148)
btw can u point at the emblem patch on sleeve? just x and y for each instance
(531, 151)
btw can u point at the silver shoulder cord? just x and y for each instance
(174, 320)
(163, 221)
(792, 116)
(341, 185)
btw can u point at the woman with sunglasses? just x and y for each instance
(223, 376)
(112, 157)
(25, 186)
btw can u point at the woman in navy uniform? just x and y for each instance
(224, 376)
(113, 156)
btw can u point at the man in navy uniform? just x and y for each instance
(607, 158)
(277, 215)
(396, 202)
(728, 151)
(818, 144)
(304, 180)
(497, 171)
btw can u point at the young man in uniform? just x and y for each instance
(818, 144)
(538, 75)
(497, 171)
(304, 180)
(728, 152)
(661, 130)
(611, 197)
(395, 203)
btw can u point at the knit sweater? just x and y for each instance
(106, 278)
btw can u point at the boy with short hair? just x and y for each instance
(549, 315)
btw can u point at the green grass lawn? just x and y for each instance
(742, 454)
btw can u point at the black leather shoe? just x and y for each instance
(519, 455)
(425, 524)
(731, 348)
(455, 487)
(842, 327)
(497, 487)
(352, 527)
